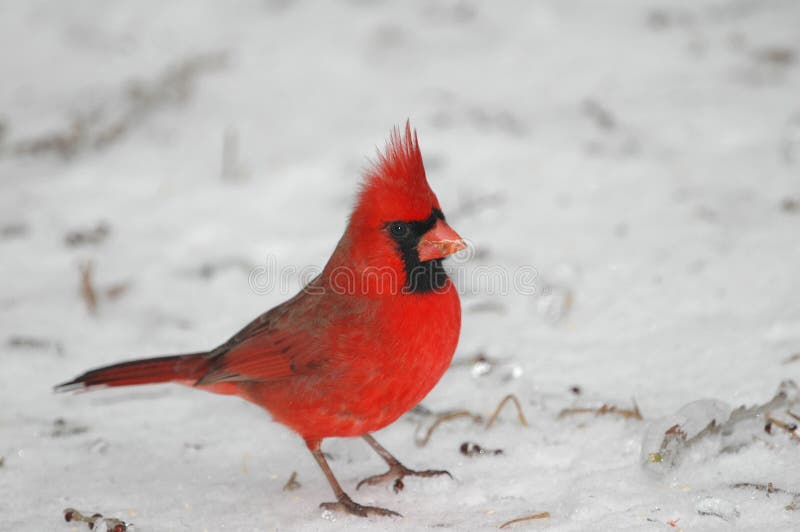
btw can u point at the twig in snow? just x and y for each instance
(87, 289)
(35, 342)
(506, 399)
(477, 418)
(473, 449)
(208, 270)
(62, 428)
(292, 484)
(776, 55)
(115, 291)
(540, 515)
(112, 524)
(13, 230)
(92, 236)
(770, 488)
(605, 409)
(441, 418)
(91, 296)
(791, 205)
(793, 358)
(791, 428)
(31, 342)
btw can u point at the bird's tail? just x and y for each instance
(184, 369)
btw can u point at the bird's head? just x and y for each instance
(397, 226)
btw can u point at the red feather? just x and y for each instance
(396, 183)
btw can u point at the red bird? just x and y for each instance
(360, 345)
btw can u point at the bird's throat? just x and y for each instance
(423, 277)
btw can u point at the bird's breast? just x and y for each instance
(399, 353)
(375, 365)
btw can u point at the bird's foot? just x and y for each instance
(347, 505)
(397, 472)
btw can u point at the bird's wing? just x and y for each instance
(259, 359)
(276, 345)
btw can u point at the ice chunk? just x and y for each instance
(667, 438)
(717, 507)
(699, 414)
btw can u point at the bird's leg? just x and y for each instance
(396, 470)
(343, 502)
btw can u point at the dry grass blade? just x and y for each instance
(790, 428)
(769, 489)
(606, 409)
(792, 358)
(88, 293)
(91, 236)
(117, 290)
(449, 416)
(292, 484)
(93, 295)
(506, 399)
(29, 342)
(442, 418)
(540, 515)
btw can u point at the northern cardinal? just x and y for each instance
(360, 345)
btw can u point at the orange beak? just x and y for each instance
(439, 242)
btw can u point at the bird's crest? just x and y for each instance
(401, 162)
(395, 186)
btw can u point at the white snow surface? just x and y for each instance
(642, 156)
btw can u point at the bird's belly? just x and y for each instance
(370, 384)
(352, 403)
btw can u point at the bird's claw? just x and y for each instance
(353, 508)
(397, 473)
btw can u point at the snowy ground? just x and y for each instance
(643, 157)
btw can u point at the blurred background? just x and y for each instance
(643, 157)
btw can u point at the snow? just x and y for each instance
(642, 158)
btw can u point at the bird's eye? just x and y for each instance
(397, 229)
